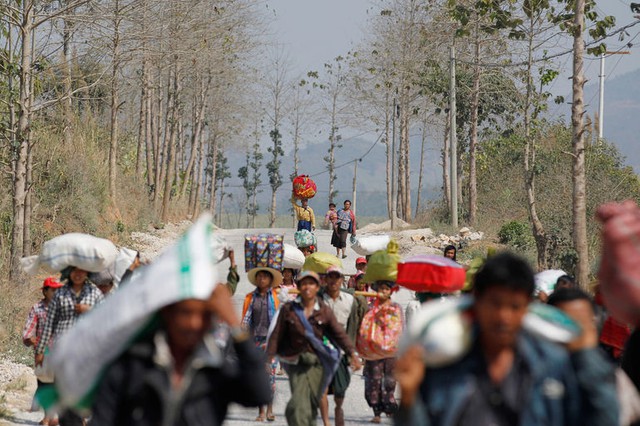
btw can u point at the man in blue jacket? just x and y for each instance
(509, 377)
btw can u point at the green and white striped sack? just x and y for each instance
(80, 357)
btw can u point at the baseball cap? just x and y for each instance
(361, 260)
(334, 269)
(51, 283)
(308, 274)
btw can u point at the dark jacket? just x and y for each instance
(136, 389)
(287, 338)
(576, 389)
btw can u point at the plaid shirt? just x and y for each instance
(61, 314)
(35, 322)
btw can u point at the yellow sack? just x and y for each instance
(318, 262)
(474, 267)
(383, 264)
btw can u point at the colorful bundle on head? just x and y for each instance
(304, 187)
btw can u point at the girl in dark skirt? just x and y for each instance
(345, 225)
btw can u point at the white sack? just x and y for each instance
(365, 246)
(83, 251)
(293, 258)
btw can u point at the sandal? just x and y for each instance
(260, 419)
(271, 418)
(376, 420)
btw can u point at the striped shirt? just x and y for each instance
(61, 314)
(35, 322)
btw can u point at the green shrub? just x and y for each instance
(516, 234)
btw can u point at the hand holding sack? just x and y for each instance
(304, 187)
(380, 332)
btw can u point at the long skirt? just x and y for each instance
(380, 385)
(339, 238)
(271, 364)
(305, 381)
(341, 379)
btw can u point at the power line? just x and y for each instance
(546, 58)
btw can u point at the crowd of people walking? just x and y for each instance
(318, 326)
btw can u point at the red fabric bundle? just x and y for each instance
(304, 187)
(431, 273)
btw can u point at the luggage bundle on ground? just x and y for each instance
(263, 251)
(304, 187)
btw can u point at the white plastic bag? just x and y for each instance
(293, 258)
(44, 371)
(546, 280)
(83, 251)
(184, 271)
(365, 246)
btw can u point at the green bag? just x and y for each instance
(383, 264)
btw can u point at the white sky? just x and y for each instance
(316, 31)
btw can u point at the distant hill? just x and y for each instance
(621, 113)
(371, 193)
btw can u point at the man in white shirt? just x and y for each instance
(349, 310)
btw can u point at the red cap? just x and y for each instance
(361, 260)
(51, 283)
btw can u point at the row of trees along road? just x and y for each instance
(175, 88)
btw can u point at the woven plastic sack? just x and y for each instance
(184, 271)
(319, 262)
(263, 251)
(44, 371)
(546, 280)
(383, 264)
(293, 257)
(431, 273)
(380, 332)
(304, 187)
(83, 251)
(365, 246)
(304, 238)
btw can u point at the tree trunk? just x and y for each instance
(387, 140)
(421, 173)
(537, 227)
(222, 194)
(579, 179)
(214, 164)
(150, 131)
(68, 101)
(446, 181)
(115, 101)
(22, 138)
(332, 147)
(404, 128)
(171, 142)
(473, 134)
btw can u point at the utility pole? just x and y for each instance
(355, 186)
(453, 138)
(601, 104)
(393, 167)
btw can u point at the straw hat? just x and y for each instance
(275, 274)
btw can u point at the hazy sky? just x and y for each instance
(315, 31)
